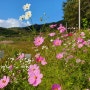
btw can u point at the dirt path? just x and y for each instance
(6, 42)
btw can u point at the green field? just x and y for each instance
(72, 71)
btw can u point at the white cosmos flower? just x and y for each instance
(51, 40)
(28, 14)
(26, 7)
(21, 17)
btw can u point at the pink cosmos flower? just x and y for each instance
(10, 67)
(82, 34)
(61, 28)
(84, 43)
(80, 40)
(35, 78)
(59, 56)
(38, 41)
(57, 42)
(56, 87)
(4, 81)
(43, 62)
(33, 68)
(21, 56)
(78, 60)
(52, 34)
(80, 45)
(40, 59)
(53, 25)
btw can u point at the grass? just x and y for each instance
(67, 72)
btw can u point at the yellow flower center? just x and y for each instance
(33, 69)
(35, 77)
(57, 43)
(3, 81)
(38, 40)
(56, 89)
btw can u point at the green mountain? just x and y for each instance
(18, 31)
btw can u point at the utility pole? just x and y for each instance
(79, 17)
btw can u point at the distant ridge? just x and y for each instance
(17, 31)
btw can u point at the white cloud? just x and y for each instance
(11, 22)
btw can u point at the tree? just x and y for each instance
(70, 8)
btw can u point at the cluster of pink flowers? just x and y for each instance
(81, 42)
(38, 41)
(41, 59)
(57, 42)
(64, 35)
(21, 56)
(53, 25)
(61, 28)
(52, 34)
(59, 55)
(4, 81)
(34, 75)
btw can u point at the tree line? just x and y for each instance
(70, 9)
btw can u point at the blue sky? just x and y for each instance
(12, 9)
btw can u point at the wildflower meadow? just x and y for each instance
(51, 60)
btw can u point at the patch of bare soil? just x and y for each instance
(6, 42)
